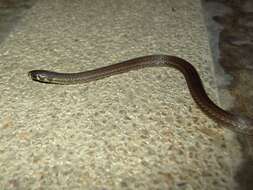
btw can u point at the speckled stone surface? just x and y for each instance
(139, 130)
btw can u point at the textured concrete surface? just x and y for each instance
(139, 130)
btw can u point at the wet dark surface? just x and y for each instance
(230, 26)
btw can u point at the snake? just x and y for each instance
(237, 123)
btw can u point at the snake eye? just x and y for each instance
(41, 77)
(38, 75)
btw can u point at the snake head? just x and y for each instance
(39, 75)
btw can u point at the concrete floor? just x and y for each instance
(139, 130)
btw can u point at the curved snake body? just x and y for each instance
(234, 122)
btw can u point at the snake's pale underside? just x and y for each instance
(234, 122)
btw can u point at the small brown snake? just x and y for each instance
(234, 122)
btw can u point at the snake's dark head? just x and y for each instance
(40, 76)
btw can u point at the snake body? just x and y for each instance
(234, 122)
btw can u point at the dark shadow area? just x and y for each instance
(230, 27)
(244, 175)
(10, 13)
